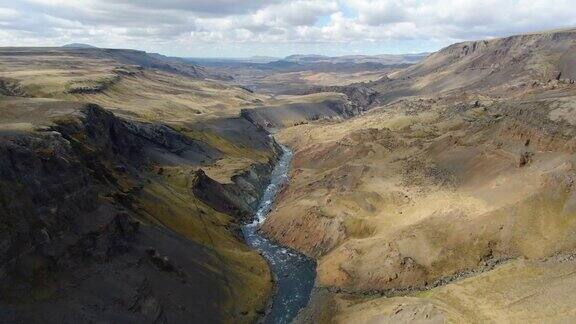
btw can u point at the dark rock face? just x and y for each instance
(191, 151)
(51, 213)
(239, 198)
(72, 247)
(99, 135)
(250, 184)
(219, 197)
(163, 263)
(43, 187)
(361, 97)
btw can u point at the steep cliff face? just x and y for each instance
(238, 198)
(104, 219)
(303, 109)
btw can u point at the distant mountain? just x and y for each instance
(313, 62)
(216, 61)
(349, 63)
(78, 45)
(306, 58)
(281, 65)
(261, 59)
(384, 59)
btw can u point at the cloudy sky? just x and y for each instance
(241, 28)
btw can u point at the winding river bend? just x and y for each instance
(293, 272)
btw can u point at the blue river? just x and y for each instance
(293, 272)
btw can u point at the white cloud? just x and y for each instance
(181, 26)
(8, 14)
(381, 12)
(465, 19)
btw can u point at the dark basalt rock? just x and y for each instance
(162, 262)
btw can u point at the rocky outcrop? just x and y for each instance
(92, 86)
(250, 184)
(361, 97)
(102, 84)
(219, 197)
(11, 87)
(269, 118)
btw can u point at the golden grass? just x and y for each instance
(147, 95)
(516, 292)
